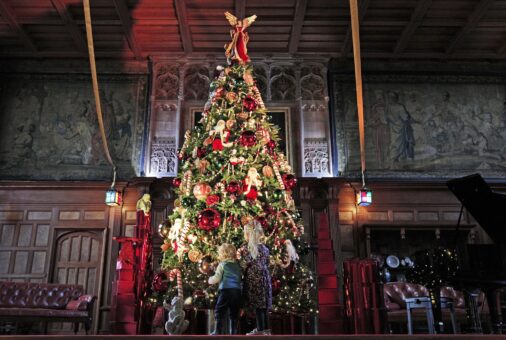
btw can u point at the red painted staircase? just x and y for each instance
(331, 317)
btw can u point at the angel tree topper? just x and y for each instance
(237, 49)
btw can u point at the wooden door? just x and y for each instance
(78, 260)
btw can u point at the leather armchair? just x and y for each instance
(395, 294)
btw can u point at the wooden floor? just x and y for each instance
(277, 337)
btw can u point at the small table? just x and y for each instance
(416, 303)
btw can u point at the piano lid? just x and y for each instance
(487, 207)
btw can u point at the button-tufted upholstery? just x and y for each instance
(37, 295)
(457, 296)
(46, 302)
(395, 294)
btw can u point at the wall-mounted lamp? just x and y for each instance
(364, 195)
(113, 196)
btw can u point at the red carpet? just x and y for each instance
(331, 312)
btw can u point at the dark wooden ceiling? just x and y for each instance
(128, 29)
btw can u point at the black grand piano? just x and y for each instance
(483, 266)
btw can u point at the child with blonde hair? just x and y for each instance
(257, 279)
(228, 276)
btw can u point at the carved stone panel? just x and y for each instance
(316, 156)
(196, 82)
(166, 80)
(261, 74)
(162, 155)
(283, 82)
(312, 82)
(163, 159)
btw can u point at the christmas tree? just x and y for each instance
(232, 173)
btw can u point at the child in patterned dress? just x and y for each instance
(229, 276)
(257, 279)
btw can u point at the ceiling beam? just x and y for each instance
(10, 17)
(346, 47)
(298, 22)
(416, 19)
(240, 9)
(128, 27)
(71, 26)
(184, 27)
(472, 21)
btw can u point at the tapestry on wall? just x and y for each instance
(432, 129)
(49, 128)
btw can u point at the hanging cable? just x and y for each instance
(96, 93)
(358, 81)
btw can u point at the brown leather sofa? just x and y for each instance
(21, 301)
(395, 294)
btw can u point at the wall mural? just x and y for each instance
(434, 128)
(49, 128)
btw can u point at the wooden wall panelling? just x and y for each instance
(78, 258)
(32, 218)
(397, 205)
(24, 237)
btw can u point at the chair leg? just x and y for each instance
(87, 326)
(454, 320)
(410, 321)
(430, 320)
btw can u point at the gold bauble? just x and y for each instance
(165, 246)
(206, 265)
(231, 97)
(267, 171)
(164, 229)
(242, 116)
(201, 191)
(194, 255)
(263, 136)
(245, 219)
(230, 124)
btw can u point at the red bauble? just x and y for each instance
(212, 200)
(180, 156)
(176, 182)
(201, 152)
(217, 145)
(248, 138)
(219, 92)
(234, 188)
(271, 144)
(209, 219)
(276, 286)
(160, 283)
(289, 181)
(249, 103)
